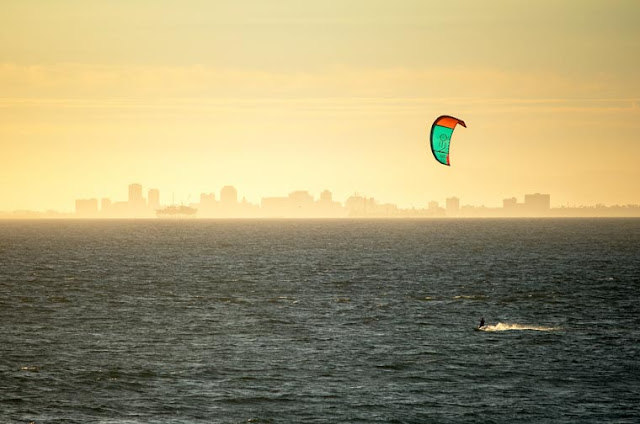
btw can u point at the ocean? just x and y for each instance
(320, 321)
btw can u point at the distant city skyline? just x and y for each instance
(302, 204)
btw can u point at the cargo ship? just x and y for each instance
(176, 212)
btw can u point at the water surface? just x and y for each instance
(350, 321)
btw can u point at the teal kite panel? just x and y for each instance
(440, 141)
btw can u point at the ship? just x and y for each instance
(176, 212)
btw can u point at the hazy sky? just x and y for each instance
(276, 96)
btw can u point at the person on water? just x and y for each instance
(481, 322)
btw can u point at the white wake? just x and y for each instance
(502, 326)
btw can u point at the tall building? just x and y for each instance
(300, 203)
(135, 194)
(207, 207)
(453, 206)
(326, 207)
(326, 196)
(357, 205)
(229, 195)
(537, 203)
(434, 209)
(154, 199)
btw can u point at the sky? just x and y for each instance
(271, 97)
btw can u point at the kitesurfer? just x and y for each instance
(481, 322)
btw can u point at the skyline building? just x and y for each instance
(136, 206)
(135, 193)
(326, 196)
(87, 208)
(229, 195)
(452, 206)
(537, 202)
(275, 206)
(153, 198)
(105, 204)
(511, 203)
(208, 205)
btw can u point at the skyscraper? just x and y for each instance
(453, 206)
(135, 194)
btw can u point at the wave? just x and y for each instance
(502, 326)
(470, 297)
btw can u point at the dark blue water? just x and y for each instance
(320, 321)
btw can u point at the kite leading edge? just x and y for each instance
(440, 138)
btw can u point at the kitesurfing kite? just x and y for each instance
(440, 138)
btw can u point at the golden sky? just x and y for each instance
(275, 96)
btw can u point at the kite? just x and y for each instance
(440, 139)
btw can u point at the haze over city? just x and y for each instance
(281, 96)
(302, 204)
